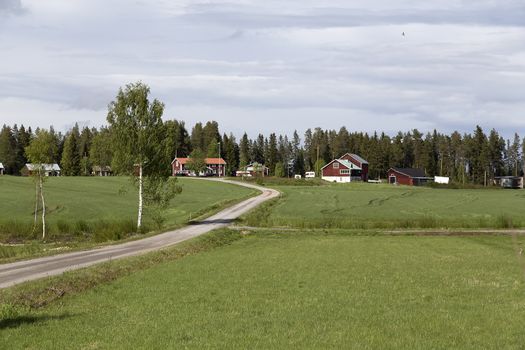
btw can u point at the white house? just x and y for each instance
(1, 169)
(49, 169)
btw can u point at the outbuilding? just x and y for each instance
(407, 176)
(253, 170)
(2, 169)
(102, 170)
(513, 182)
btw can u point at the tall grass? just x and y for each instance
(97, 231)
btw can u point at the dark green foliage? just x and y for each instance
(197, 161)
(70, 163)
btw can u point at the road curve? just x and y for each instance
(22, 271)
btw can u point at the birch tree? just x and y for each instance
(41, 151)
(138, 138)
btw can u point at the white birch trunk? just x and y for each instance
(139, 220)
(36, 205)
(43, 209)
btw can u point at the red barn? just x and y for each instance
(359, 162)
(407, 176)
(214, 167)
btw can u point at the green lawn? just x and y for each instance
(385, 206)
(75, 204)
(293, 290)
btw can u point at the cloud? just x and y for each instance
(11, 7)
(270, 66)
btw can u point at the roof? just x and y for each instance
(252, 166)
(411, 172)
(1, 166)
(46, 167)
(101, 168)
(213, 161)
(356, 157)
(345, 163)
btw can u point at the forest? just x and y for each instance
(466, 158)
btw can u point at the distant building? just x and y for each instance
(48, 169)
(348, 168)
(253, 170)
(103, 170)
(214, 167)
(515, 182)
(408, 176)
(360, 163)
(2, 169)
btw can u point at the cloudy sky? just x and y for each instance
(272, 65)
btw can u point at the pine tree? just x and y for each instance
(70, 163)
(8, 150)
(244, 151)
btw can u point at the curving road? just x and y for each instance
(17, 272)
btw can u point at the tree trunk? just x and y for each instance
(139, 220)
(36, 205)
(43, 209)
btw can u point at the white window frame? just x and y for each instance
(344, 172)
(335, 165)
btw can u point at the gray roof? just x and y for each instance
(46, 167)
(344, 162)
(414, 173)
(359, 158)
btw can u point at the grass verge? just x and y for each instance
(37, 294)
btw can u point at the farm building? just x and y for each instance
(348, 168)
(48, 169)
(254, 169)
(407, 176)
(509, 181)
(103, 170)
(214, 167)
(2, 169)
(359, 162)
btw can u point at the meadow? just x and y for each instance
(380, 206)
(271, 289)
(101, 208)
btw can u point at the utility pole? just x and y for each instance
(219, 143)
(317, 161)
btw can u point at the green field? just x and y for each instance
(372, 206)
(294, 290)
(82, 205)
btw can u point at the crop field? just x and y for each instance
(83, 205)
(372, 206)
(299, 290)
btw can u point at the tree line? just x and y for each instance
(474, 157)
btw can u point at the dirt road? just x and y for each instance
(27, 270)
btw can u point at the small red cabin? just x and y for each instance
(407, 176)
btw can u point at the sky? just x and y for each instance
(269, 66)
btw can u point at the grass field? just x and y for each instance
(90, 205)
(363, 206)
(294, 290)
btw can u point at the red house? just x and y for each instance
(348, 168)
(214, 167)
(407, 176)
(359, 162)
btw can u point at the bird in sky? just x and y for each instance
(403, 34)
